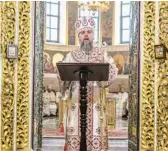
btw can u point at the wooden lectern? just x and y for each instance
(83, 72)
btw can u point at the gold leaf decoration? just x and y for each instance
(7, 110)
(162, 108)
(23, 75)
(147, 108)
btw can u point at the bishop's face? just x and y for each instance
(86, 40)
(86, 36)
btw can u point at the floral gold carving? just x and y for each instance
(162, 108)
(7, 102)
(23, 75)
(147, 105)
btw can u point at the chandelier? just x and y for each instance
(102, 6)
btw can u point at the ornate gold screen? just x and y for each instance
(162, 108)
(15, 27)
(147, 106)
(154, 71)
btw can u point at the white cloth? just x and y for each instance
(122, 102)
(46, 105)
(58, 97)
(53, 105)
(49, 103)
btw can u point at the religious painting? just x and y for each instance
(12, 52)
(121, 59)
(48, 66)
(50, 61)
(160, 52)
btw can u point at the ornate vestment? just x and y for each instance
(97, 137)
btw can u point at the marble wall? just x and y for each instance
(134, 72)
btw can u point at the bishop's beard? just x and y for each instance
(86, 46)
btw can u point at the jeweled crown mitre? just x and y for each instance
(84, 23)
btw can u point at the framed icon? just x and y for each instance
(12, 51)
(160, 51)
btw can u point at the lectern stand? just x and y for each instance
(83, 72)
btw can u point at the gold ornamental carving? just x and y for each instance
(0, 24)
(162, 108)
(11, 14)
(23, 75)
(147, 106)
(7, 101)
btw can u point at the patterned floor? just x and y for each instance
(57, 144)
(118, 141)
(51, 127)
(113, 133)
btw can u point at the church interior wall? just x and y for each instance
(15, 87)
(120, 52)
